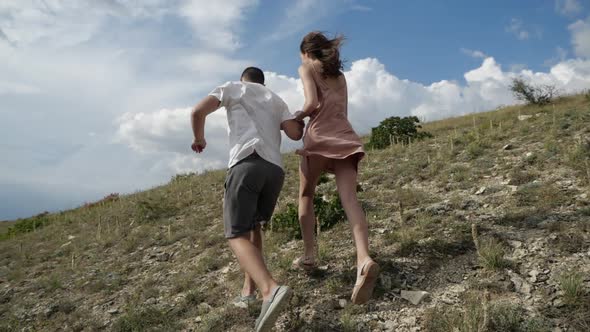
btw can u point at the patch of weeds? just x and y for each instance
(572, 285)
(407, 238)
(154, 208)
(224, 319)
(512, 217)
(459, 173)
(585, 211)
(502, 316)
(476, 149)
(348, 323)
(141, 319)
(51, 283)
(327, 208)
(571, 242)
(551, 146)
(10, 324)
(184, 281)
(519, 177)
(210, 261)
(491, 254)
(27, 225)
(66, 306)
(540, 196)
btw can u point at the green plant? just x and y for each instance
(28, 225)
(327, 208)
(572, 285)
(477, 314)
(151, 209)
(141, 319)
(395, 129)
(491, 254)
(536, 95)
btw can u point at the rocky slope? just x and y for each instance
(488, 222)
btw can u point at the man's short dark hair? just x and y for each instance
(253, 74)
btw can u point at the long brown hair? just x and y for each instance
(327, 51)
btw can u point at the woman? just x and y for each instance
(330, 144)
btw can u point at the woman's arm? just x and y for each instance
(309, 91)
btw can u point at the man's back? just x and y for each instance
(254, 115)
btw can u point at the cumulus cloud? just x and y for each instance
(580, 31)
(516, 27)
(474, 53)
(168, 131)
(222, 15)
(374, 94)
(568, 7)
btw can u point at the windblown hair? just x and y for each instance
(318, 46)
(254, 75)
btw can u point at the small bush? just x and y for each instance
(519, 177)
(396, 129)
(28, 225)
(491, 254)
(152, 209)
(137, 319)
(572, 285)
(536, 95)
(476, 149)
(327, 208)
(505, 317)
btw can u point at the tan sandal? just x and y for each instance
(306, 263)
(365, 282)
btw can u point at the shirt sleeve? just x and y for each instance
(227, 94)
(283, 110)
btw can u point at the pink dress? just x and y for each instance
(328, 132)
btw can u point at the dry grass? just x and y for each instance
(167, 242)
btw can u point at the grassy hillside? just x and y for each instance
(491, 217)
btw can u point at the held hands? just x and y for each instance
(199, 145)
(299, 116)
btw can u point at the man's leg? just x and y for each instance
(252, 263)
(249, 285)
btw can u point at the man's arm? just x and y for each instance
(293, 129)
(205, 107)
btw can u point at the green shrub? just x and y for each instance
(327, 208)
(536, 95)
(152, 209)
(572, 285)
(396, 129)
(328, 212)
(141, 319)
(27, 225)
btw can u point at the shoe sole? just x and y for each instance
(365, 291)
(281, 300)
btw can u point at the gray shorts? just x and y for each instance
(252, 189)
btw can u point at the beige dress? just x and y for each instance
(328, 132)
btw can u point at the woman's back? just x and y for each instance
(329, 133)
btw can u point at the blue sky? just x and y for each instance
(95, 95)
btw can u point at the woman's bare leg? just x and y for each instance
(346, 181)
(310, 170)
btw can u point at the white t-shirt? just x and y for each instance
(254, 116)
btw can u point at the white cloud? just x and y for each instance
(517, 29)
(301, 14)
(568, 7)
(374, 94)
(581, 37)
(474, 53)
(216, 22)
(17, 88)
